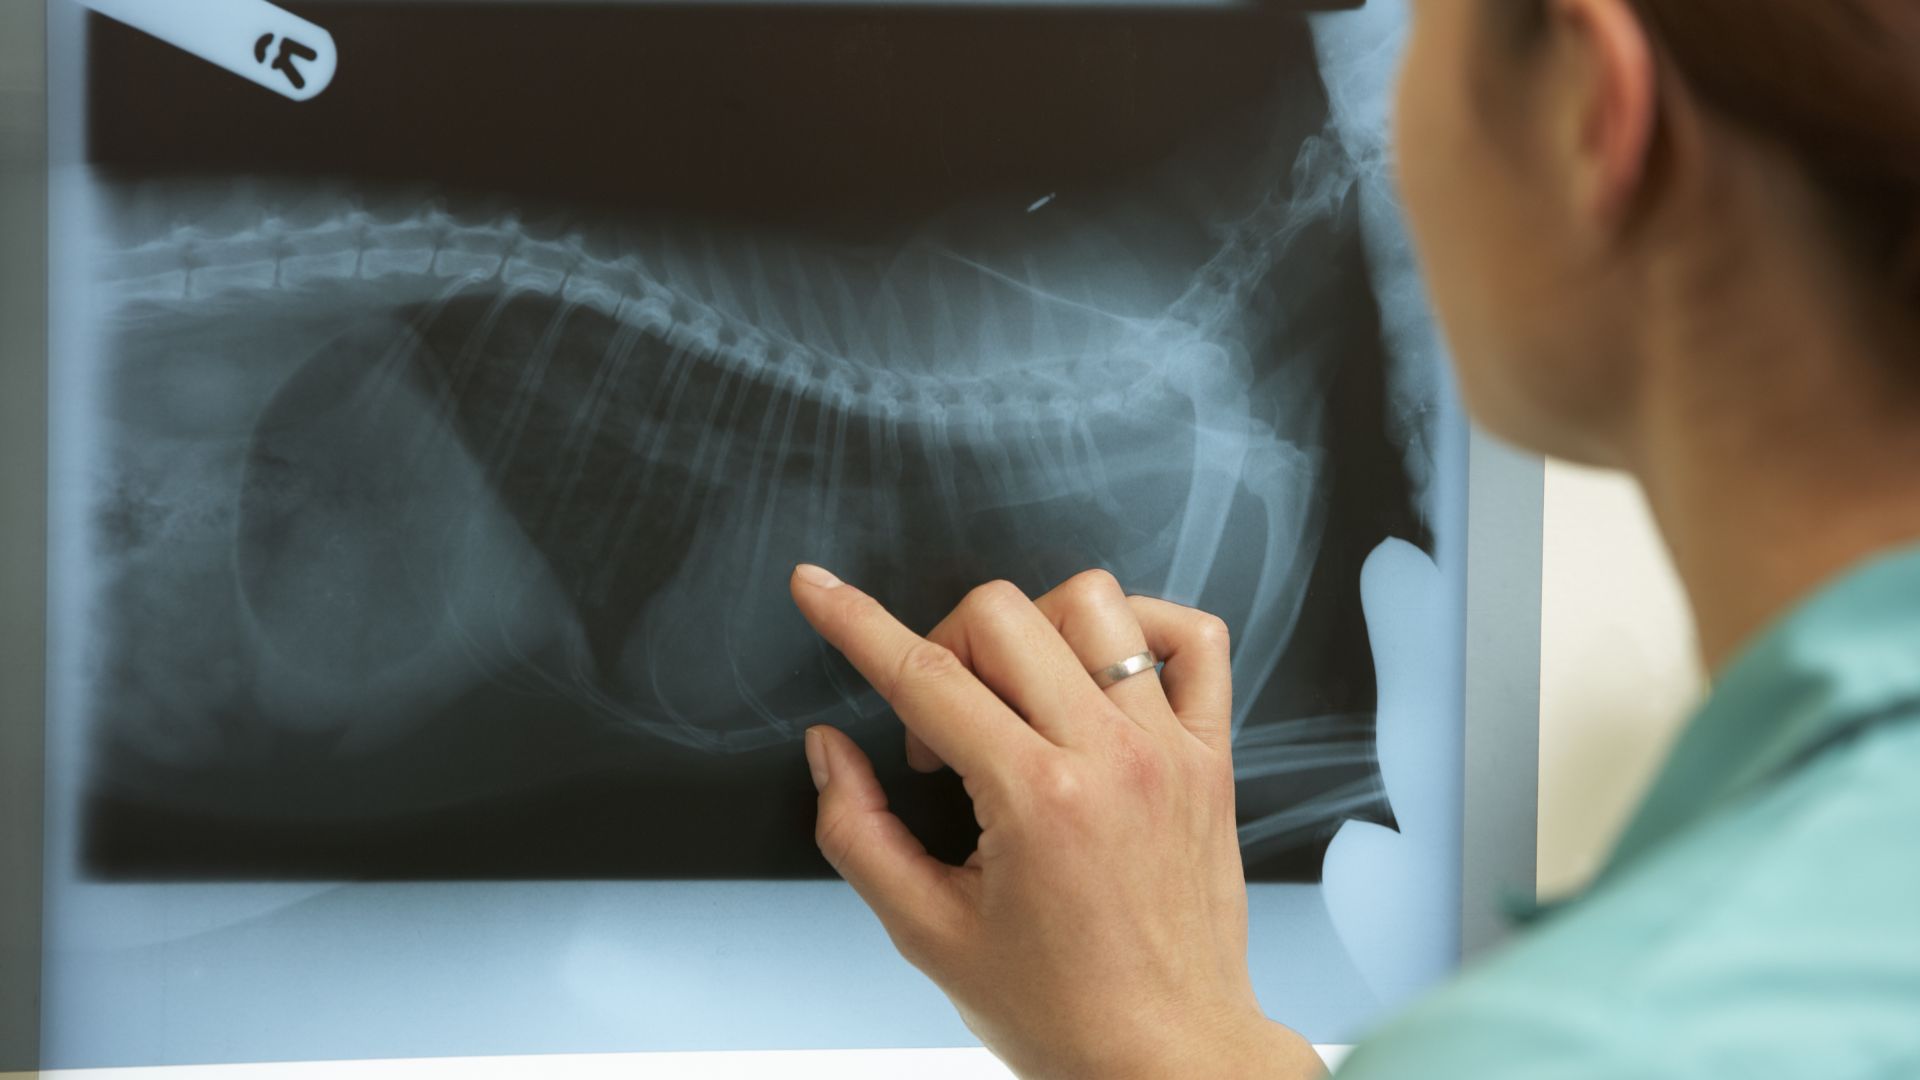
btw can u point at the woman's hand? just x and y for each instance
(1100, 929)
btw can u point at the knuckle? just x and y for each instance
(992, 598)
(1211, 630)
(925, 663)
(1058, 784)
(1092, 584)
(834, 834)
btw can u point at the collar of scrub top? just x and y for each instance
(1843, 662)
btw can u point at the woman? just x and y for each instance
(1677, 237)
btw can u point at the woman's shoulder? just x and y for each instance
(1778, 937)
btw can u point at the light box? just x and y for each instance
(421, 465)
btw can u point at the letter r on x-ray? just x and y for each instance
(284, 62)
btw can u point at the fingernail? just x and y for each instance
(817, 758)
(818, 577)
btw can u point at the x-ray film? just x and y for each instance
(442, 444)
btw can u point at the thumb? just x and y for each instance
(912, 892)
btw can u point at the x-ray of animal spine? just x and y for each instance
(457, 430)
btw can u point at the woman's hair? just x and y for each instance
(1836, 82)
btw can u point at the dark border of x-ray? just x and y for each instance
(1504, 529)
(23, 523)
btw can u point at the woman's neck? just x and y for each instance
(1778, 437)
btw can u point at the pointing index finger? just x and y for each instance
(937, 698)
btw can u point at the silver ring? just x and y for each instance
(1125, 669)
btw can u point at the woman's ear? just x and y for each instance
(1611, 98)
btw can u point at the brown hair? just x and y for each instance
(1837, 82)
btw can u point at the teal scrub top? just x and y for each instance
(1760, 917)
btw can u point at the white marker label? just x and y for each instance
(251, 38)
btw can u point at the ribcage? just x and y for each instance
(661, 475)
